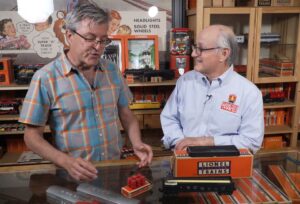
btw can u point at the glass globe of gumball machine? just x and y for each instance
(180, 50)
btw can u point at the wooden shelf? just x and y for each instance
(280, 129)
(9, 117)
(272, 151)
(163, 83)
(265, 80)
(147, 111)
(285, 104)
(47, 130)
(11, 158)
(191, 12)
(14, 87)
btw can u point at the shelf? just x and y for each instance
(273, 151)
(147, 111)
(11, 158)
(285, 104)
(265, 44)
(163, 83)
(14, 87)
(9, 117)
(47, 130)
(266, 80)
(191, 12)
(280, 129)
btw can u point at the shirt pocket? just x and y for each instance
(108, 100)
(73, 102)
(224, 122)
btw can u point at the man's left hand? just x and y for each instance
(144, 153)
(194, 141)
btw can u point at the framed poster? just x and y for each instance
(115, 51)
(141, 51)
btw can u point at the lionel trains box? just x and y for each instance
(238, 166)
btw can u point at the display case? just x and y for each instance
(274, 179)
(270, 50)
(277, 45)
(243, 28)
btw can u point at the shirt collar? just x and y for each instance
(221, 79)
(67, 66)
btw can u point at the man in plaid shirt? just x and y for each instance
(82, 98)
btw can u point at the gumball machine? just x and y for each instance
(180, 50)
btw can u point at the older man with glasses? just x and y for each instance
(82, 97)
(214, 105)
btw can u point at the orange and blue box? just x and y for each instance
(234, 166)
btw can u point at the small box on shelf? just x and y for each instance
(277, 68)
(228, 3)
(282, 2)
(217, 3)
(273, 142)
(277, 117)
(263, 2)
(247, 3)
(6, 71)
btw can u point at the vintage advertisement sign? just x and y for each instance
(19, 36)
(139, 23)
(47, 39)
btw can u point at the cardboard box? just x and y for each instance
(247, 3)
(6, 71)
(264, 2)
(282, 2)
(276, 67)
(228, 3)
(234, 166)
(217, 3)
(273, 142)
(207, 3)
(192, 4)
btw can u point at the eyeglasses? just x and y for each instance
(199, 50)
(103, 42)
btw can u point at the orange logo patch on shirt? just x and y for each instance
(229, 107)
(232, 98)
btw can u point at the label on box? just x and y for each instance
(264, 3)
(214, 168)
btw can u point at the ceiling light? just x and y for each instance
(35, 11)
(152, 12)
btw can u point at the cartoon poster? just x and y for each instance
(18, 36)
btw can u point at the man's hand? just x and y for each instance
(194, 141)
(80, 169)
(144, 153)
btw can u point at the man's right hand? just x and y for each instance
(80, 169)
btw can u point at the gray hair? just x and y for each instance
(85, 10)
(226, 39)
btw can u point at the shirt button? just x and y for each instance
(100, 134)
(102, 153)
(97, 115)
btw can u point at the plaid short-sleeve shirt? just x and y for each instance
(83, 120)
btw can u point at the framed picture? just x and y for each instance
(115, 51)
(141, 51)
